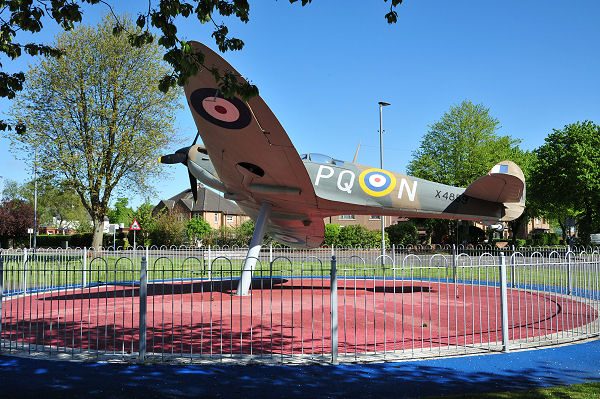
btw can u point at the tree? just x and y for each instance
(147, 221)
(566, 177)
(461, 147)
(526, 161)
(29, 16)
(168, 230)
(96, 117)
(58, 205)
(403, 234)
(16, 216)
(121, 212)
(196, 229)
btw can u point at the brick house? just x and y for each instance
(214, 209)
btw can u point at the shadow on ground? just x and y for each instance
(477, 374)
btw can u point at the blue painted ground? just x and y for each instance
(20, 378)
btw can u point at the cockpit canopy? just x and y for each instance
(321, 158)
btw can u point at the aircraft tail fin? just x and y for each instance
(505, 183)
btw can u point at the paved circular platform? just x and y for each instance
(286, 316)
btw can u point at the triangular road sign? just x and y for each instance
(135, 225)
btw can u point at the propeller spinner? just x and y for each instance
(181, 156)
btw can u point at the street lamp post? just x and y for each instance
(35, 199)
(381, 105)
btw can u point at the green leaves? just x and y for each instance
(462, 146)
(196, 229)
(565, 178)
(30, 16)
(96, 115)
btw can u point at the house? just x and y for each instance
(214, 209)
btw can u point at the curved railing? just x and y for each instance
(410, 302)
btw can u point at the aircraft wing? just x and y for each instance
(253, 156)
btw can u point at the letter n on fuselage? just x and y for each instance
(411, 193)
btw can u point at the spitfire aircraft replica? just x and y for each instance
(248, 156)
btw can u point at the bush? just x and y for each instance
(332, 235)
(403, 234)
(476, 235)
(50, 241)
(538, 239)
(359, 236)
(196, 230)
(553, 239)
(78, 240)
(169, 231)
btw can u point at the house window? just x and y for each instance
(374, 217)
(197, 216)
(347, 217)
(537, 221)
(229, 219)
(216, 218)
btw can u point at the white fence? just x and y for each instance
(323, 305)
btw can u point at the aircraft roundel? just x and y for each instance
(229, 113)
(377, 182)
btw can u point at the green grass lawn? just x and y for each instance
(577, 391)
(58, 270)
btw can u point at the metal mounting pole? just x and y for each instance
(381, 105)
(1, 289)
(143, 311)
(504, 303)
(334, 312)
(254, 250)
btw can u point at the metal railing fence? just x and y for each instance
(322, 305)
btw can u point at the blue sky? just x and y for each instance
(323, 68)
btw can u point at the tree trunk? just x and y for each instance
(98, 233)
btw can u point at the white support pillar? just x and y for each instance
(254, 250)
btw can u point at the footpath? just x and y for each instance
(571, 364)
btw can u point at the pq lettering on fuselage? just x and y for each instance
(374, 182)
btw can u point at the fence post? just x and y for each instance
(84, 267)
(209, 264)
(513, 274)
(143, 308)
(334, 312)
(453, 263)
(1, 292)
(504, 303)
(569, 271)
(271, 253)
(25, 259)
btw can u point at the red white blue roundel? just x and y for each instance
(377, 182)
(230, 113)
